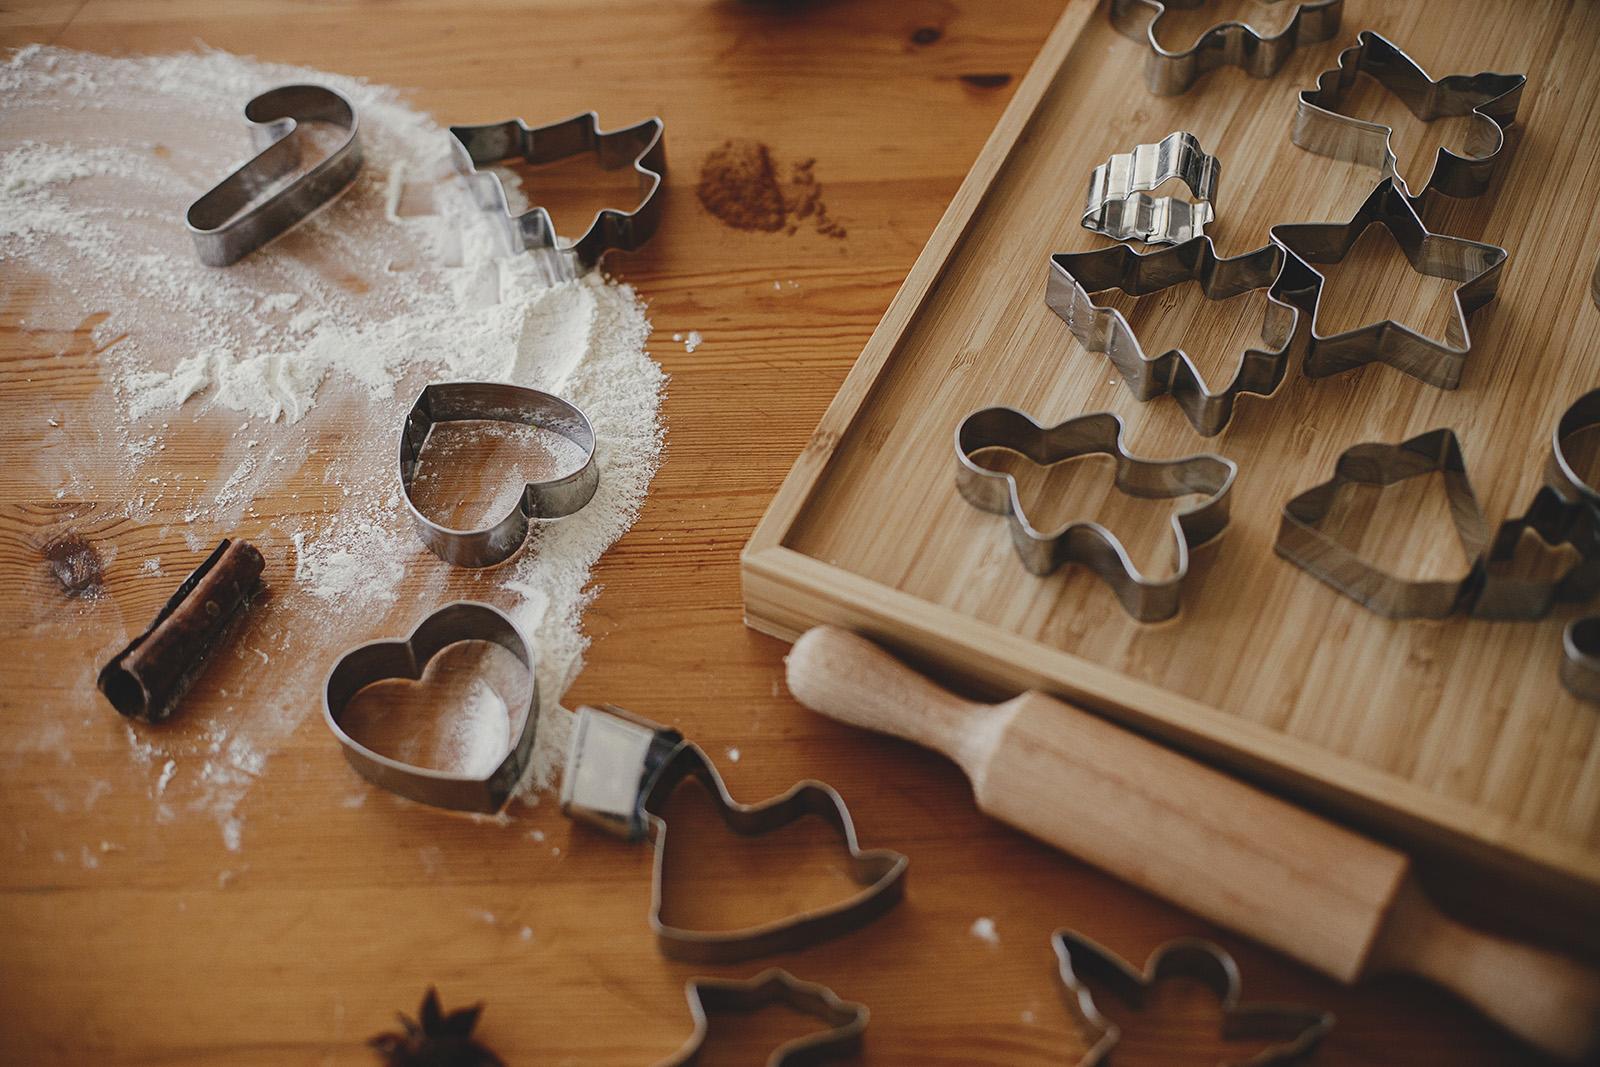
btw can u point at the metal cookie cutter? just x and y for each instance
(550, 498)
(1473, 264)
(1089, 543)
(1235, 44)
(1120, 206)
(1076, 277)
(622, 769)
(1580, 661)
(376, 661)
(1490, 99)
(1302, 541)
(223, 230)
(641, 147)
(1294, 1030)
(846, 1020)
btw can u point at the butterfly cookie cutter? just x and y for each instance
(224, 225)
(846, 1020)
(1100, 433)
(1490, 99)
(376, 661)
(1119, 204)
(1294, 1031)
(1076, 277)
(621, 770)
(1235, 44)
(641, 147)
(562, 493)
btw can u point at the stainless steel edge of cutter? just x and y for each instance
(1474, 265)
(224, 231)
(1075, 277)
(376, 661)
(551, 498)
(1294, 1030)
(1119, 204)
(846, 1020)
(1229, 44)
(622, 768)
(641, 146)
(1490, 99)
(1580, 658)
(1089, 543)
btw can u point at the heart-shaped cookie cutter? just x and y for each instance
(551, 498)
(223, 230)
(376, 661)
(621, 770)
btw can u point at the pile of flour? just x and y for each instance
(325, 335)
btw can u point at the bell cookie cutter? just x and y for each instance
(846, 1020)
(1236, 44)
(551, 498)
(641, 146)
(1089, 543)
(1295, 1030)
(1119, 204)
(224, 231)
(1474, 265)
(622, 769)
(1490, 99)
(376, 661)
(1075, 277)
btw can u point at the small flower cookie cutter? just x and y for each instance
(559, 495)
(1119, 204)
(222, 222)
(622, 769)
(846, 1020)
(1076, 277)
(1100, 433)
(641, 146)
(1490, 99)
(1294, 1031)
(1237, 44)
(376, 661)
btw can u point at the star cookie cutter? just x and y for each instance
(1119, 204)
(846, 1019)
(561, 494)
(1295, 1031)
(224, 225)
(1089, 543)
(641, 146)
(1236, 44)
(1475, 265)
(622, 769)
(1076, 277)
(1490, 99)
(377, 661)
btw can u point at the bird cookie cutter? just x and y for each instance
(641, 146)
(1294, 1031)
(1474, 265)
(1490, 99)
(1100, 433)
(561, 494)
(846, 1020)
(222, 222)
(376, 661)
(1076, 277)
(621, 770)
(1237, 44)
(1119, 204)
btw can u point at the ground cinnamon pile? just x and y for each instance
(739, 185)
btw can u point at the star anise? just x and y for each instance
(437, 1040)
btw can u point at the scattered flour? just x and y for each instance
(984, 930)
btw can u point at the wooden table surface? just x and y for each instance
(165, 947)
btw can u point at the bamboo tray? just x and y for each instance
(1452, 737)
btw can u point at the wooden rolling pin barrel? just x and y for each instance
(1322, 894)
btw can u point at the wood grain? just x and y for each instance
(342, 903)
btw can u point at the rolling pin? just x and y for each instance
(1233, 854)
